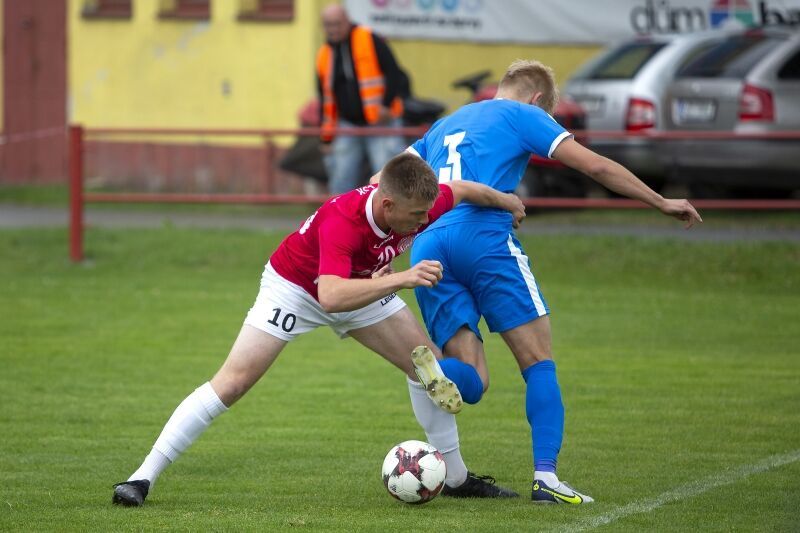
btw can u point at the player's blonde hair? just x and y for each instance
(409, 177)
(526, 77)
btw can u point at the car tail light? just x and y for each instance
(756, 103)
(641, 115)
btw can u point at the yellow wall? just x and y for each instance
(222, 73)
(147, 72)
(434, 65)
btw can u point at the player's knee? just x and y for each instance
(230, 387)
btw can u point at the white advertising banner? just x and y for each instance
(563, 21)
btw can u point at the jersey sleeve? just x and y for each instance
(337, 245)
(419, 148)
(443, 204)
(540, 134)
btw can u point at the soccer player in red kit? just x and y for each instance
(336, 271)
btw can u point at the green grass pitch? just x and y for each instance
(679, 364)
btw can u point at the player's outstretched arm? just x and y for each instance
(480, 194)
(619, 179)
(337, 295)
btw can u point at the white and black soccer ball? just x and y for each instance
(414, 471)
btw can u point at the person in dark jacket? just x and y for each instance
(360, 85)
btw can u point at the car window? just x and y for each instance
(791, 69)
(624, 62)
(697, 51)
(732, 58)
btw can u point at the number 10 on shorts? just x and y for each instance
(288, 322)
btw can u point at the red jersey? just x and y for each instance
(342, 239)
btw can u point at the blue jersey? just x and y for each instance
(489, 142)
(486, 272)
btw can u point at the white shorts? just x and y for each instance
(285, 310)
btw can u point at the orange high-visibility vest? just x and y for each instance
(371, 82)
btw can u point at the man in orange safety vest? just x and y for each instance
(359, 85)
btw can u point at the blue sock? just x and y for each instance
(465, 377)
(545, 414)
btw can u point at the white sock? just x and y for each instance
(188, 422)
(155, 463)
(441, 430)
(548, 477)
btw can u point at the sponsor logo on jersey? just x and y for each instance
(384, 241)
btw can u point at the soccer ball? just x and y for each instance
(414, 472)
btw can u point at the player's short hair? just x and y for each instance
(410, 177)
(527, 76)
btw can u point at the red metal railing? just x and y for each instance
(78, 197)
(76, 194)
(419, 131)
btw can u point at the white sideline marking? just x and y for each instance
(688, 490)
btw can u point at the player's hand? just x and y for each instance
(383, 271)
(682, 210)
(424, 274)
(516, 208)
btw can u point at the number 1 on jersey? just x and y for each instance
(452, 172)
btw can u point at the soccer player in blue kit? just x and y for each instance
(486, 272)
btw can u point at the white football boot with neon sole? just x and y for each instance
(443, 392)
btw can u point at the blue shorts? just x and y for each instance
(486, 273)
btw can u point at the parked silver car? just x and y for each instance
(622, 90)
(748, 83)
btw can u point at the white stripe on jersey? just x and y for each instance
(371, 216)
(411, 150)
(556, 142)
(530, 281)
